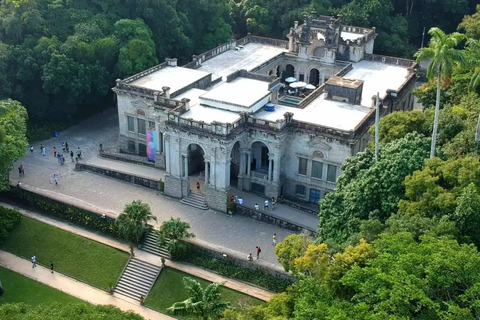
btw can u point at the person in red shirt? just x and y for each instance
(198, 187)
(258, 251)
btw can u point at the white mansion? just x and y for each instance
(210, 117)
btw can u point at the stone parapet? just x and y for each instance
(216, 199)
(270, 219)
(173, 186)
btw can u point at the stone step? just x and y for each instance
(194, 203)
(161, 253)
(150, 245)
(137, 279)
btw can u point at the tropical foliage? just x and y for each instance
(171, 234)
(13, 143)
(205, 304)
(133, 221)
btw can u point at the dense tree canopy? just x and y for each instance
(13, 143)
(55, 311)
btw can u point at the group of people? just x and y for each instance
(259, 250)
(34, 263)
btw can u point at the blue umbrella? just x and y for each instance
(290, 79)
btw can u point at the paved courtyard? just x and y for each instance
(236, 233)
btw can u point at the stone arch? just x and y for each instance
(196, 159)
(270, 72)
(278, 71)
(314, 76)
(259, 159)
(289, 71)
(319, 52)
(140, 112)
(235, 162)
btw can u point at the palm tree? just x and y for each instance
(444, 56)
(473, 53)
(133, 222)
(171, 234)
(205, 304)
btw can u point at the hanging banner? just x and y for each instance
(151, 145)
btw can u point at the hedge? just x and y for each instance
(81, 217)
(229, 269)
(9, 219)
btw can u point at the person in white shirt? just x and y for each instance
(256, 206)
(266, 205)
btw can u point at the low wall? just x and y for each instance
(206, 249)
(125, 158)
(277, 221)
(141, 181)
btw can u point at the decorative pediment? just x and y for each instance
(139, 103)
(318, 144)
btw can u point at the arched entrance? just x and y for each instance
(278, 71)
(314, 77)
(270, 72)
(289, 71)
(235, 164)
(195, 166)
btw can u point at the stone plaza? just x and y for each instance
(226, 118)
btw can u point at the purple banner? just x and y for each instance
(151, 145)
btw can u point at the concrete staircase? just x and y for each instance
(150, 245)
(195, 200)
(137, 279)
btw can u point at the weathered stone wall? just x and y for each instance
(216, 199)
(173, 186)
(141, 181)
(277, 221)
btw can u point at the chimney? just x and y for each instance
(344, 89)
(171, 62)
(186, 102)
(155, 96)
(166, 90)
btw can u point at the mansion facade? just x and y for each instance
(225, 117)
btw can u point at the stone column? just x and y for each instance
(157, 136)
(276, 168)
(249, 164)
(166, 149)
(206, 172)
(270, 162)
(242, 163)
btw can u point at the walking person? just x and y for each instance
(54, 152)
(258, 251)
(198, 187)
(63, 146)
(274, 239)
(273, 203)
(44, 151)
(265, 207)
(71, 155)
(41, 147)
(66, 146)
(55, 178)
(51, 266)
(20, 170)
(34, 261)
(256, 206)
(31, 150)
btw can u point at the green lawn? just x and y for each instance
(19, 288)
(169, 289)
(78, 257)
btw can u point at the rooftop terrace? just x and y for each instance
(252, 55)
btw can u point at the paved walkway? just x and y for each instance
(95, 191)
(145, 256)
(76, 288)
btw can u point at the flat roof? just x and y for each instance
(204, 113)
(328, 113)
(251, 56)
(174, 77)
(242, 92)
(351, 35)
(377, 77)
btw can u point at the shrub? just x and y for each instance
(73, 214)
(229, 269)
(161, 185)
(9, 219)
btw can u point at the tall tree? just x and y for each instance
(133, 221)
(171, 234)
(206, 304)
(13, 143)
(443, 56)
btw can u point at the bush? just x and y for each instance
(73, 214)
(9, 219)
(228, 269)
(161, 185)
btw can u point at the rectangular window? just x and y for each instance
(300, 190)
(151, 125)
(264, 163)
(142, 149)
(302, 166)
(315, 196)
(130, 124)
(141, 126)
(317, 169)
(332, 173)
(301, 77)
(131, 146)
